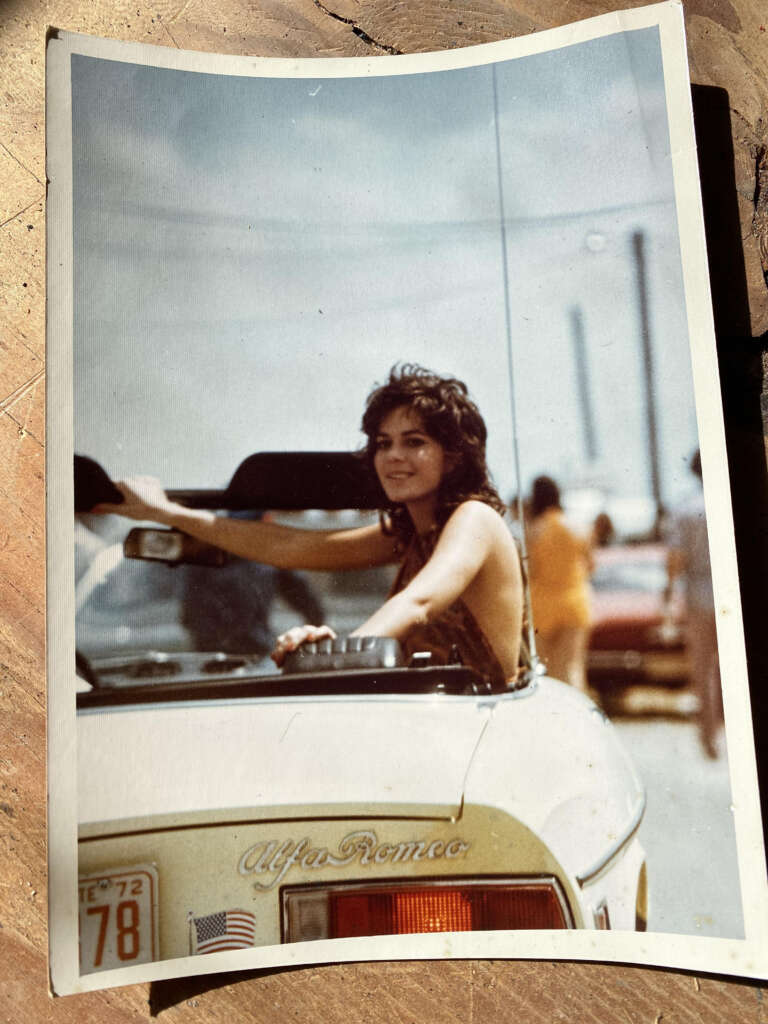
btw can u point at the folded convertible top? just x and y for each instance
(265, 480)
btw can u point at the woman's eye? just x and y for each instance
(381, 444)
(416, 442)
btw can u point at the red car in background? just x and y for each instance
(637, 635)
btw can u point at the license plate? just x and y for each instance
(118, 918)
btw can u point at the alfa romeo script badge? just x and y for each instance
(274, 858)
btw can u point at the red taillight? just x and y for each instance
(391, 908)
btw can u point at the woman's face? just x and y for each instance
(408, 462)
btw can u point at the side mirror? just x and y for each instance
(172, 547)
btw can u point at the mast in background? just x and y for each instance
(638, 248)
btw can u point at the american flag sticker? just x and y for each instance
(228, 929)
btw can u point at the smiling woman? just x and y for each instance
(409, 463)
(458, 594)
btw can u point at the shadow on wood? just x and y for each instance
(740, 359)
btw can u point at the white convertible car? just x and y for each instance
(352, 794)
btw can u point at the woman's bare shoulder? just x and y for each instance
(477, 515)
(476, 526)
(477, 509)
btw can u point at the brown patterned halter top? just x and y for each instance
(455, 628)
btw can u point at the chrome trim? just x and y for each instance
(435, 697)
(315, 888)
(527, 688)
(601, 911)
(591, 873)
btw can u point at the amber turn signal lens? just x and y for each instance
(415, 908)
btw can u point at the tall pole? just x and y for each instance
(582, 376)
(638, 247)
(528, 618)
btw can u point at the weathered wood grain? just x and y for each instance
(728, 47)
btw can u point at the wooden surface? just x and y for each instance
(728, 46)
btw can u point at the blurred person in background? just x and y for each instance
(603, 532)
(229, 610)
(688, 558)
(559, 566)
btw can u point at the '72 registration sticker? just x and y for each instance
(118, 918)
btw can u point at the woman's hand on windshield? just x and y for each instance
(144, 499)
(297, 636)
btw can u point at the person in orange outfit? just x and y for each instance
(559, 567)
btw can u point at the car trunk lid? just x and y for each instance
(260, 758)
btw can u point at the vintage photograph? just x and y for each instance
(388, 605)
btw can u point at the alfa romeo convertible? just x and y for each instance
(223, 804)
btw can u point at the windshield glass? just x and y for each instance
(129, 607)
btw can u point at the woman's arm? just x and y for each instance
(465, 544)
(285, 547)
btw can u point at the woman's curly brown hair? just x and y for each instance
(451, 418)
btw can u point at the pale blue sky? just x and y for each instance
(251, 254)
